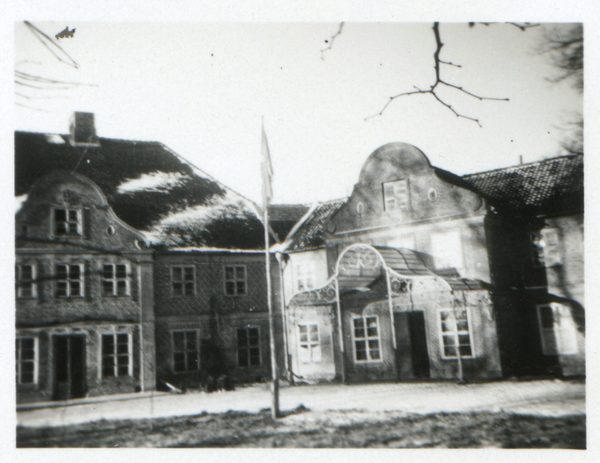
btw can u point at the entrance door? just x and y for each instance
(418, 340)
(69, 367)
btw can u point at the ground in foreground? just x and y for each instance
(304, 429)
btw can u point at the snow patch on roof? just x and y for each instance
(153, 181)
(55, 139)
(19, 200)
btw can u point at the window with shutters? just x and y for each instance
(366, 339)
(26, 360)
(235, 280)
(69, 280)
(67, 222)
(25, 277)
(558, 332)
(395, 195)
(309, 343)
(116, 355)
(182, 281)
(115, 281)
(186, 351)
(455, 333)
(248, 343)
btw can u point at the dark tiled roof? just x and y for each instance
(544, 187)
(283, 217)
(308, 234)
(149, 187)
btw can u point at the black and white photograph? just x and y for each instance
(298, 234)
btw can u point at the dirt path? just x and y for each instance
(550, 398)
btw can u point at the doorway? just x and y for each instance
(418, 341)
(69, 367)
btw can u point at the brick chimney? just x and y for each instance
(83, 130)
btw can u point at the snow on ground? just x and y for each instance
(545, 398)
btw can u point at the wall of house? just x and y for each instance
(315, 259)
(215, 316)
(313, 368)
(44, 388)
(567, 278)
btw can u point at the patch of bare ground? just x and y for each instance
(305, 429)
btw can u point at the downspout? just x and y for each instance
(139, 268)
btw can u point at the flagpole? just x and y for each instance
(266, 173)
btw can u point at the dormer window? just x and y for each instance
(67, 222)
(395, 195)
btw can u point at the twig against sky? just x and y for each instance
(439, 81)
(330, 41)
(40, 35)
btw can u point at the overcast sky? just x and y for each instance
(202, 88)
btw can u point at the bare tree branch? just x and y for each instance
(330, 41)
(438, 81)
(26, 76)
(523, 26)
(38, 32)
(30, 107)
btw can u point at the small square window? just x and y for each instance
(183, 281)
(67, 222)
(395, 195)
(305, 279)
(115, 281)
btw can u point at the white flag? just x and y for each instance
(267, 170)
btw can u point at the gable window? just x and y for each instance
(114, 280)
(310, 348)
(235, 280)
(557, 329)
(447, 250)
(116, 355)
(395, 195)
(546, 248)
(26, 360)
(182, 281)
(67, 222)
(186, 351)
(25, 279)
(69, 280)
(366, 339)
(454, 332)
(305, 276)
(248, 346)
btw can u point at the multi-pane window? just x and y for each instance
(305, 276)
(186, 352)
(454, 330)
(248, 346)
(366, 339)
(546, 248)
(67, 222)
(25, 358)
(25, 280)
(557, 329)
(114, 280)
(310, 348)
(182, 281)
(235, 280)
(395, 195)
(116, 355)
(69, 280)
